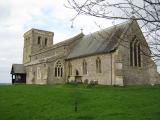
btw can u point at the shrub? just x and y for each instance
(92, 83)
(86, 81)
(72, 82)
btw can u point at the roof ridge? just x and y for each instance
(72, 38)
(111, 27)
(102, 41)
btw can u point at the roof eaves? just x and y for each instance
(92, 54)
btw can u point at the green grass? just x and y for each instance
(57, 102)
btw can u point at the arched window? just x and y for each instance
(70, 68)
(77, 72)
(39, 40)
(45, 71)
(58, 69)
(139, 55)
(98, 65)
(131, 53)
(84, 67)
(45, 42)
(38, 73)
(135, 53)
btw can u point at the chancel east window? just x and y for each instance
(84, 67)
(139, 55)
(135, 53)
(131, 53)
(58, 69)
(98, 65)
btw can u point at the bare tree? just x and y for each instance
(146, 12)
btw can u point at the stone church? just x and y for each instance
(118, 55)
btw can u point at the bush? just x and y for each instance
(86, 81)
(72, 82)
(93, 83)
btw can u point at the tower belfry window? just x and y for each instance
(39, 40)
(45, 41)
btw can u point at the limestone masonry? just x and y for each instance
(118, 55)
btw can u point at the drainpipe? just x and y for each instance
(111, 68)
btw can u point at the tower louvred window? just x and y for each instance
(39, 40)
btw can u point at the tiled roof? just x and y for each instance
(103, 41)
(18, 68)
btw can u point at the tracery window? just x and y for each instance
(84, 67)
(139, 55)
(131, 53)
(98, 65)
(135, 53)
(58, 69)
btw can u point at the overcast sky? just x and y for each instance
(18, 16)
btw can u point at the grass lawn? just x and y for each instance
(57, 102)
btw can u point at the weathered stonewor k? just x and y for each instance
(118, 55)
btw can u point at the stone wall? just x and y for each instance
(133, 74)
(107, 69)
(49, 55)
(31, 45)
(37, 74)
(40, 61)
(43, 72)
(43, 34)
(57, 51)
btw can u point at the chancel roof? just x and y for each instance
(103, 41)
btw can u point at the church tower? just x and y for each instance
(34, 41)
